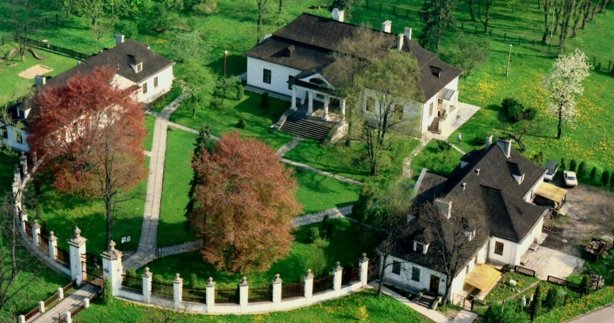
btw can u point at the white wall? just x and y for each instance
(531, 193)
(12, 138)
(165, 83)
(509, 252)
(534, 235)
(426, 120)
(404, 279)
(279, 76)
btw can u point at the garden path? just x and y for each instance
(321, 172)
(289, 146)
(68, 304)
(149, 230)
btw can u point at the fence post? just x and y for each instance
(53, 244)
(23, 161)
(68, 316)
(77, 249)
(277, 289)
(363, 263)
(177, 291)
(112, 267)
(41, 306)
(308, 284)
(86, 303)
(210, 295)
(24, 219)
(243, 291)
(36, 230)
(60, 293)
(22, 319)
(147, 285)
(338, 273)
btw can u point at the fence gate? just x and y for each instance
(92, 269)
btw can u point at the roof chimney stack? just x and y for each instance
(408, 32)
(40, 80)
(464, 186)
(401, 42)
(477, 171)
(387, 26)
(119, 39)
(339, 15)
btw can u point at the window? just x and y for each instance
(155, 82)
(370, 104)
(419, 247)
(144, 88)
(499, 248)
(289, 85)
(396, 267)
(415, 274)
(266, 76)
(19, 137)
(431, 110)
(139, 67)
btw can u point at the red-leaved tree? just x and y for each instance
(90, 134)
(244, 204)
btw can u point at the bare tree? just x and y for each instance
(20, 16)
(486, 18)
(261, 6)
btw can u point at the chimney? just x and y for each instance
(401, 42)
(40, 80)
(506, 147)
(387, 26)
(119, 39)
(464, 186)
(488, 141)
(477, 171)
(408, 32)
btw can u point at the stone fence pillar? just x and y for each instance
(17, 176)
(24, 219)
(210, 295)
(243, 291)
(60, 293)
(147, 279)
(277, 289)
(177, 291)
(53, 244)
(363, 264)
(308, 284)
(77, 250)
(36, 230)
(337, 272)
(68, 317)
(41, 306)
(112, 267)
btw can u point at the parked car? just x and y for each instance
(570, 178)
(552, 166)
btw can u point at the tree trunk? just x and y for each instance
(108, 205)
(546, 23)
(382, 274)
(557, 13)
(281, 3)
(446, 295)
(560, 123)
(259, 25)
(471, 10)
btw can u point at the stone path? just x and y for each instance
(180, 248)
(149, 231)
(458, 149)
(289, 146)
(407, 161)
(318, 217)
(68, 304)
(319, 171)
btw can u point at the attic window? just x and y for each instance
(290, 50)
(139, 67)
(316, 81)
(421, 247)
(436, 71)
(516, 172)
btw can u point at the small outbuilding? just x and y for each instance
(550, 195)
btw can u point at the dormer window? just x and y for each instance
(420, 247)
(139, 67)
(436, 71)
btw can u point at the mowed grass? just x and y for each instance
(150, 123)
(346, 309)
(177, 176)
(12, 85)
(258, 120)
(303, 255)
(37, 283)
(318, 192)
(431, 158)
(62, 213)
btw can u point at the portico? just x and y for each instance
(316, 103)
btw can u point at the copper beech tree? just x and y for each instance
(90, 134)
(244, 203)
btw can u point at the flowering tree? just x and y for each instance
(244, 204)
(563, 83)
(90, 134)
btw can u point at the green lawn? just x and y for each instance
(7, 165)
(346, 309)
(258, 120)
(150, 123)
(435, 160)
(13, 86)
(503, 290)
(40, 283)
(350, 162)
(318, 192)
(61, 213)
(177, 176)
(304, 255)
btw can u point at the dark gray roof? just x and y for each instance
(315, 39)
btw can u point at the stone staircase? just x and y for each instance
(306, 127)
(426, 300)
(434, 127)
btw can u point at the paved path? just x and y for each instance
(149, 231)
(181, 248)
(289, 146)
(602, 315)
(68, 304)
(319, 171)
(458, 149)
(407, 161)
(318, 217)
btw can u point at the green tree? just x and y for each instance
(612, 181)
(553, 297)
(325, 223)
(437, 15)
(203, 143)
(537, 302)
(582, 169)
(200, 83)
(468, 53)
(605, 178)
(573, 165)
(362, 210)
(593, 175)
(563, 164)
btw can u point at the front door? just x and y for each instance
(434, 288)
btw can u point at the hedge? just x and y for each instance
(580, 306)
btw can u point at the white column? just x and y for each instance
(147, 279)
(36, 230)
(243, 291)
(86, 303)
(53, 244)
(77, 248)
(363, 263)
(308, 284)
(294, 98)
(337, 272)
(41, 306)
(310, 103)
(210, 295)
(177, 291)
(60, 293)
(343, 103)
(112, 267)
(277, 289)
(22, 319)
(68, 317)
(326, 104)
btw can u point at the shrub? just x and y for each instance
(443, 145)
(158, 279)
(512, 108)
(206, 7)
(107, 293)
(593, 175)
(573, 165)
(265, 104)
(612, 181)
(193, 280)
(241, 124)
(314, 234)
(131, 272)
(240, 92)
(128, 28)
(529, 114)
(480, 140)
(563, 164)
(553, 297)
(325, 222)
(582, 169)
(586, 281)
(605, 178)
(512, 313)
(506, 268)
(537, 299)
(331, 231)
